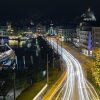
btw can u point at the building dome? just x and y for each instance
(88, 16)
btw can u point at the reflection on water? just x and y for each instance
(16, 43)
(25, 53)
(27, 59)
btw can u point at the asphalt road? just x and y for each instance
(76, 86)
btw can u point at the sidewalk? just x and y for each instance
(10, 94)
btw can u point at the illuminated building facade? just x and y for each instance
(4, 37)
(60, 30)
(85, 34)
(96, 37)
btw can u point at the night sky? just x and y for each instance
(54, 9)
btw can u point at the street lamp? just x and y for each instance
(57, 45)
(53, 54)
(47, 70)
(61, 46)
(61, 55)
(14, 80)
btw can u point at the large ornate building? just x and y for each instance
(85, 32)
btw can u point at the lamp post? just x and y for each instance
(14, 81)
(61, 55)
(61, 47)
(53, 54)
(47, 70)
(57, 45)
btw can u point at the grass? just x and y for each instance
(54, 76)
(31, 92)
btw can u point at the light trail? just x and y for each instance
(76, 86)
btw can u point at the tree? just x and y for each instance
(96, 70)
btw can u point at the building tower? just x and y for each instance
(88, 20)
(51, 30)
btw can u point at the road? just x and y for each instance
(52, 91)
(76, 86)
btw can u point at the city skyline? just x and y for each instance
(49, 50)
(57, 10)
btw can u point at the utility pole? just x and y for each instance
(47, 70)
